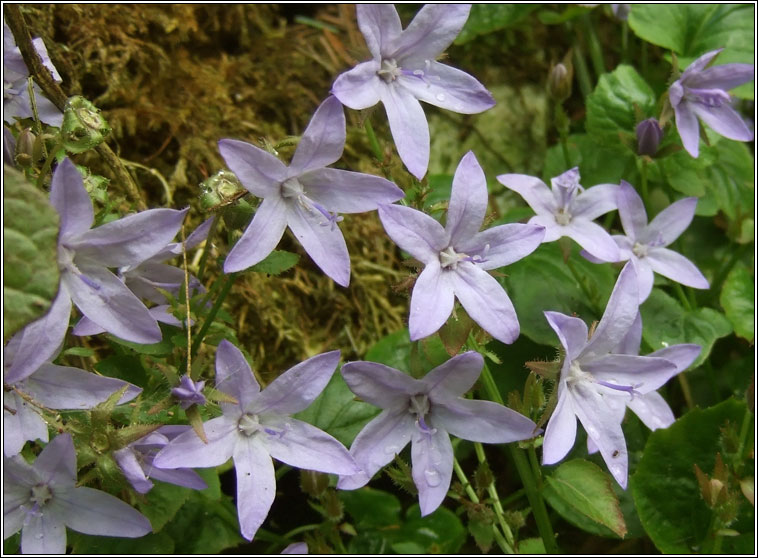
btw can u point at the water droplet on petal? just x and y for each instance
(39, 536)
(432, 477)
(440, 96)
(391, 450)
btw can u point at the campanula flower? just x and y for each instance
(649, 136)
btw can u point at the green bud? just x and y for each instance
(313, 483)
(332, 506)
(83, 126)
(28, 148)
(219, 189)
(559, 80)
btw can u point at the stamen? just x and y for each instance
(709, 97)
(331, 218)
(87, 281)
(640, 250)
(389, 71)
(629, 389)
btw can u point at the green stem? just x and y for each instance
(375, 147)
(743, 438)
(683, 297)
(492, 490)
(596, 51)
(624, 41)
(582, 285)
(645, 197)
(206, 249)
(212, 314)
(49, 161)
(582, 72)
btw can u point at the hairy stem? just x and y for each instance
(212, 314)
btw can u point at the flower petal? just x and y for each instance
(409, 128)
(688, 127)
(296, 388)
(44, 533)
(359, 88)
(180, 477)
(258, 171)
(127, 461)
(699, 64)
(560, 433)
(592, 237)
(323, 241)
(415, 232)
(234, 375)
(643, 373)
(261, 236)
(448, 88)
(645, 278)
(632, 211)
(468, 200)
(432, 458)
(323, 140)
(677, 268)
(503, 245)
(666, 227)
(56, 464)
(380, 26)
(379, 384)
(453, 378)
(652, 410)
(681, 356)
(595, 201)
(432, 301)
(485, 301)
(630, 344)
(256, 484)
(71, 200)
(535, 192)
(431, 31)
(572, 333)
(94, 512)
(482, 421)
(724, 77)
(25, 424)
(188, 450)
(349, 192)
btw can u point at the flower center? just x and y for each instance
(66, 263)
(41, 495)
(291, 188)
(565, 188)
(248, 424)
(389, 70)
(563, 217)
(576, 375)
(709, 97)
(418, 405)
(640, 250)
(449, 258)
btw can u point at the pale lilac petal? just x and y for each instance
(38, 342)
(652, 410)
(15, 501)
(725, 77)
(560, 433)
(196, 237)
(46, 110)
(485, 301)
(161, 314)
(468, 200)
(296, 548)
(261, 236)
(127, 461)
(304, 446)
(105, 300)
(454, 377)
(688, 127)
(379, 384)
(188, 450)
(431, 31)
(359, 88)
(632, 211)
(645, 276)
(378, 443)
(432, 301)
(482, 421)
(44, 534)
(129, 240)
(592, 237)
(591, 446)
(619, 315)
(380, 26)
(666, 227)
(234, 375)
(323, 241)
(448, 88)
(643, 373)
(409, 128)
(572, 333)
(432, 458)
(681, 356)
(56, 464)
(595, 201)
(94, 512)
(323, 140)
(25, 424)
(180, 477)
(415, 232)
(630, 344)
(677, 268)
(535, 192)
(71, 200)
(699, 64)
(258, 171)
(349, 192)
(256, 484)
(64, 387)
(503, 245)
(295, 389)
(553, 231)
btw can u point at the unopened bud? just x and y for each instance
(28, 148)
(83, 125)
(220, 188)
(649, 135)
(332, 506)
(313, 483)
(559, 81)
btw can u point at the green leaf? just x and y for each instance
(30, 253)
(153, 543)
(611, 106)
(486, 18)
(440, 532)
(532, 546)
(664, 486)
(371, 508)
(162, 503)
(694, 29)
(599, 163)
(482, 532)
(738, 302)
(337, 412)
(397, 350)
(276, 262)
(579, 489)
(205, 526)
(666, 322)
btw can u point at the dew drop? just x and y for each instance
(39, 536)
(432, 477)
(391, 450)
(440, 96)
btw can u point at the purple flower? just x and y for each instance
(649, 135)
(296, 548)
(403, 72)
(457, 256)
(84, 255)
(31, 380)
(569, 210)
(16, 102)
(597, 383)
(260, 427)
(306, 196)
(189, 392)
(645, 244)
(424, 412)
(701, 92)
(136, 462)
(42, 499)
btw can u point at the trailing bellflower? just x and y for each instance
(306, 196)
(569, 209)
(457, 257)
(597, 384)
(701, 92)
(403, 71)
(42, 499)
(85, 254)
(259, 427)
(424, 412)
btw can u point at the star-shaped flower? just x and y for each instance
(701, 92)
(424, 412)
(85, 254)
(645, 244)
(457, 256)
(306, 196)
(403, 71)
(260, 427)
(569, 209)
(597, 384)
(42, 499)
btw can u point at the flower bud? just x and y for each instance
(83, 125)
(313, 483)
(649, 135)
(559, 81)
(218, 189)
(28, 148)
